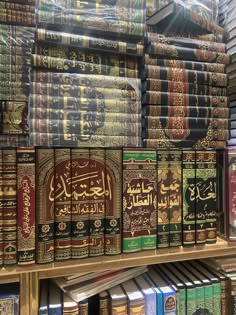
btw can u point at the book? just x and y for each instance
(175, 197)
(113, 198)
(9, 201)
(1, 207)
(97, 193)
(170, 143)
(163, 199)
(83, 307)
(186, 42)
(17, 6)
(80, 206)
(119, 301)
(182, 87)
(74, 66)
(54, 300)
(25, 160)
(91, 42)
(104, 303)
(149, 294)
(17, 17)
(185, 75)
(139, 199)
(186, 53)
(69, 306)
(185, 64)
(30, 2)
(62, 203)
(158, 294)
(10, 299)
(186, 111)
(189, 196)
(45, 197)
(136, 300)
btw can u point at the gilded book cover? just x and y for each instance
(80, 205)
(25, 158)
(1, 208)
(139, 199)
(62, 203)
(189, 197)
(98, 190)
(9, 201)
(45, 209)
(113, 211)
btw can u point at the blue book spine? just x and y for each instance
(169, 302)
(160, 304)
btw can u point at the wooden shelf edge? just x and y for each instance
(221, 248)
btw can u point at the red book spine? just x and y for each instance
(9, 206)
(62, 204)
(45, 205)
(80, 203)
(25, 205)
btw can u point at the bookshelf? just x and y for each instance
(29, 277)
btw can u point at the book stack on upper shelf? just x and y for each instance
(16, 39)
(85, 87)
(230, 26)
(185, 100)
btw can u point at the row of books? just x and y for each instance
(91, 202)
(177, 288)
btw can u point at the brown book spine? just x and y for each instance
(14, 77)
(80, 206)
(163, 199)
(97, 201)
(163, 142)
(70, 65)
(183, 87)
(156, 38)
(14, 52)
(189, 195)
(17, 17)
(84, 307)
(25, 205)
(113, 198)
(175, 197)
(9, 206)
(1, 207)
(29, 2)
(45, 205)
(62, 203)
(183, 75)
(184, 64)
(17, 6)
(104, 303)
(178, 52)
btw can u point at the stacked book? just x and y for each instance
(185, 102)
(231, 69)
(176, 288)
(85, 87)
(16, 39)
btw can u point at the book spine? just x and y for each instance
(71, 103)
(1, 206)
(201, 195)
(13, 77)
(132, 216)
(137, 307)
(14, 53)
(17, 17)
(178, 52)
(13, 140)
(176, 122)
(113, 198)
(186, 42)
(184, 64)
(97, 201)
(200, 297)
(183, 87)
(159, 98)
(185, 111)
(15, 59)
(55, 139)
(209, 297)
(62, 203)
(89, 42)
(183, 75)
(17, 6)
(9, 206)
(225, 294)
(175, 198)
(25, 205)
(104, 303)
(125, 27)
(17, 69)
(163, 199)
(84, 307)
(71, 65)
(189, 195)
(29, 2)
(80, 203)
(217, 298)
(64, 90)
(45, 205)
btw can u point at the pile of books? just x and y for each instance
(179, 288)
(84, 87)
(185, 102)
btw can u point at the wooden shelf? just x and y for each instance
(221, 248)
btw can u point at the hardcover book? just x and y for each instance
(149, 294)
(119, 301)
(136, 300)
(25, 159)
